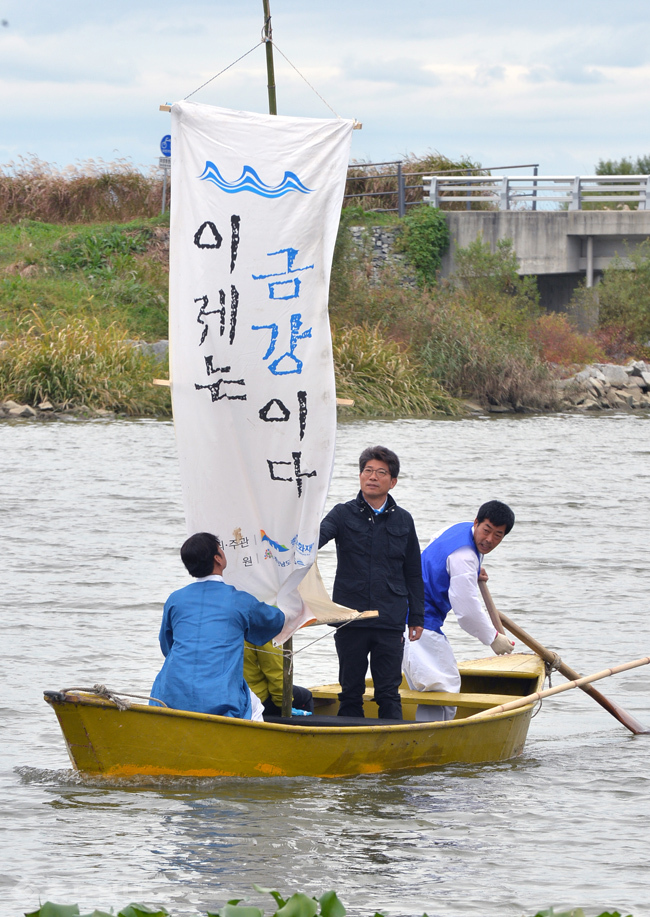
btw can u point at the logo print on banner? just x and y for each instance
(249, 180)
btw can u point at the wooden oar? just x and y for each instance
(548, 656)
(558, 689)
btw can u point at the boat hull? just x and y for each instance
(155, 741)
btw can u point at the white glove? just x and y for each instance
(502, 645)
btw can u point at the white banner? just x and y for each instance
(255, 210)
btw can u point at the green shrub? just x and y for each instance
(489, 282)
(470, 333)
(624, 293)
(624, 166)
(116, 272)
(425, 239)
(99, 249)
(77, 363)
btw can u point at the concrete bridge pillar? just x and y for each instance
(590, 261)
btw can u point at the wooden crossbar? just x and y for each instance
(432, 698)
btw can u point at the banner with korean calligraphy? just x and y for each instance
(255, 210)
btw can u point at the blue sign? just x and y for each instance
(166, 145)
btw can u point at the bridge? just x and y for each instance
(521, 192)
(557, 233)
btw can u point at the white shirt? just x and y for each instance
(463, 568)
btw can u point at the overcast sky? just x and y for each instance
(562, 83)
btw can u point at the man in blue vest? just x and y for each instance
(451, 569)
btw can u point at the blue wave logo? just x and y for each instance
(249, 180)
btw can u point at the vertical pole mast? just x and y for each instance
(287, 649)
(268, 38)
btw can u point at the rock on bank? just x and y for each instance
(606, 386)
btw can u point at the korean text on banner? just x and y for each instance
(255, 211)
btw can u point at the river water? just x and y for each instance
(91, 522)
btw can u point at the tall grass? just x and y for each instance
(471, 356)
(383, 379)
(97, 191)
(78, 363)
(88, 192)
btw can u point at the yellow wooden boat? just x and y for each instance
(152, 741)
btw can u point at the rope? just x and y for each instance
(550, 667)
(329, 633)
(120, 703)
(261, 42)
(304, 78)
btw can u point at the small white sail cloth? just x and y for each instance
(256, 201)
(325, 611)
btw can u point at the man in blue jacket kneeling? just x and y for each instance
(202, 636)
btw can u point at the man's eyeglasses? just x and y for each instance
(378, 471)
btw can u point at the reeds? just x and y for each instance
(88, 192)
(382, 379)
(471, 356)
(75, 363)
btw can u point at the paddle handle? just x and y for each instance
(548, 656)
(492, 610)
(559, 689)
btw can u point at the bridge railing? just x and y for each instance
(384, 187)
(523, 192)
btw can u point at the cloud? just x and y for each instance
(500, 82)
(564, 74)
(400, 71)
(68, 59)
(485, 75)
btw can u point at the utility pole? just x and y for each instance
(268, 36)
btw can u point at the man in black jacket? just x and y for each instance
(378, 568)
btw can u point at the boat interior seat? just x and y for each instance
(332, 721)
